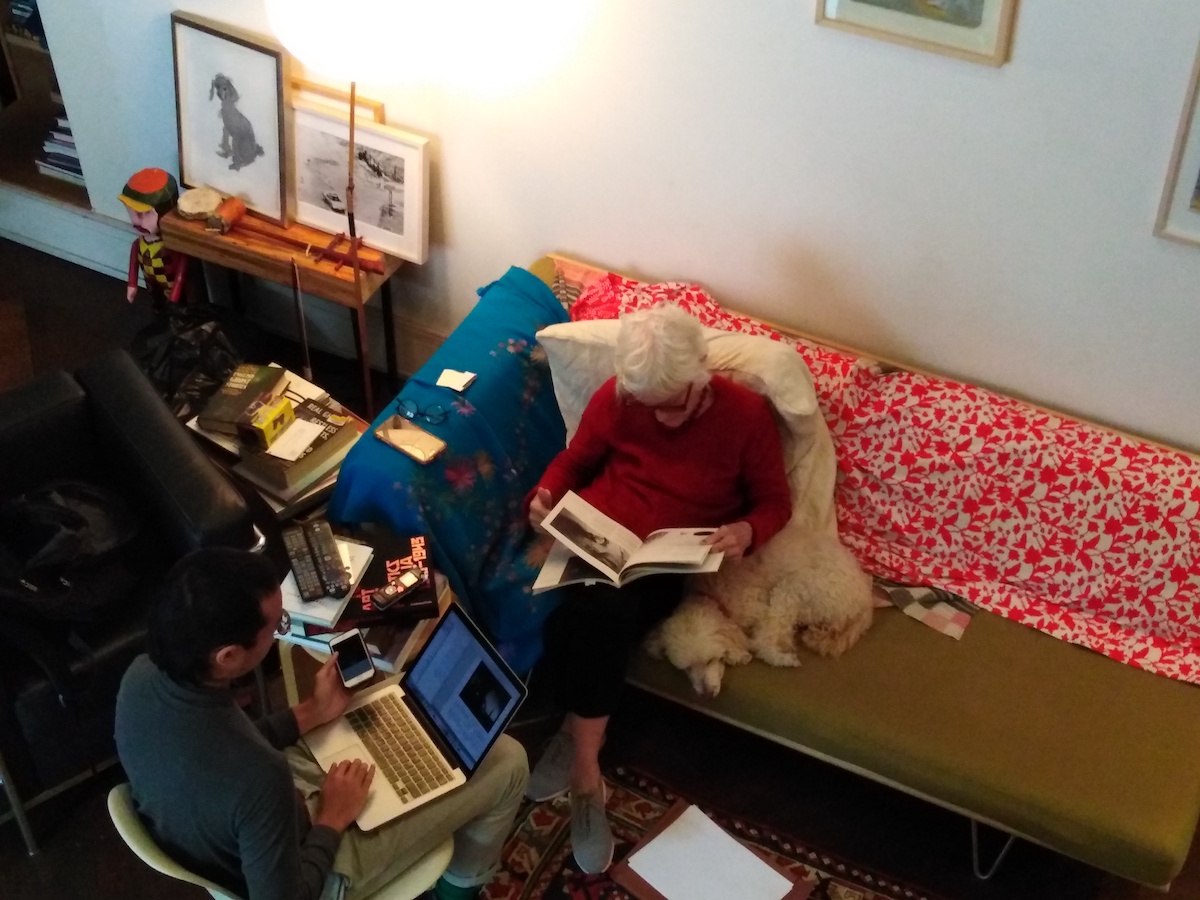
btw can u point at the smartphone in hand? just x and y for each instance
(354, 660)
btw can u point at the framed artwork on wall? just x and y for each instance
(306, 92)
(975, 30)
(1179, 210)
(232, 89)
(391, 180)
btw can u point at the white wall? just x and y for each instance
(992, 224)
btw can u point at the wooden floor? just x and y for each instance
(53, 314)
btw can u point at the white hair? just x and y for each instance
(660, 351)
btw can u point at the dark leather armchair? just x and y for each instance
(107, 425)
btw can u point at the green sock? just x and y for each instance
(444, 890)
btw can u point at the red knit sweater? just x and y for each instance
(725, 465)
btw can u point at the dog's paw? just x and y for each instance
(706, 678)
(777, 656)
(738, 656)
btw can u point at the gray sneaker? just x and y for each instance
(551, 777)
(591, 835)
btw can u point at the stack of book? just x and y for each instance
(290, 451)
(392, 634)
(59, 157)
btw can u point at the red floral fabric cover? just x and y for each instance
(1084, 534)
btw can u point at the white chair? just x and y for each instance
(408, 885)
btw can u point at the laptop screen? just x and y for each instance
(464, 686)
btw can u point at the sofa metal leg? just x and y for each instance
(18, 808)
(979, 873)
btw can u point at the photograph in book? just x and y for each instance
(590, 547)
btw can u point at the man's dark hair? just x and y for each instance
(211, 598)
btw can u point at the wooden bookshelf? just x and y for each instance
(25, 123)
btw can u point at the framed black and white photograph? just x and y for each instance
(975, 30)
(391, 180)
(231, 97)
(1179, 209)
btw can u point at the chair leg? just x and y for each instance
(981, 875)
(18, 808)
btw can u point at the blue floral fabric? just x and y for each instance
(501, 433)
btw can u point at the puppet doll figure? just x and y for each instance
(147, 196)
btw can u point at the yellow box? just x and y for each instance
(265, 420)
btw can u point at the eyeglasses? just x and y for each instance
(285, 623)
(434, 415)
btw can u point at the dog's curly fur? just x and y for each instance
(803, 587)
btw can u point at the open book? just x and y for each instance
(589, 547)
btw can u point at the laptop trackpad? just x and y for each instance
(331, 740)
(383, 803)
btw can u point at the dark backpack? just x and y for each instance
(61, 554)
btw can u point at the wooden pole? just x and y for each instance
(368, 397)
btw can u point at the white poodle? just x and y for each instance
(801, 586)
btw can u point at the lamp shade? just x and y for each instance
(475, 44)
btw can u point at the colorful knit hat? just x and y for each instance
(150, 189)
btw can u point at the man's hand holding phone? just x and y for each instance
(328, 700)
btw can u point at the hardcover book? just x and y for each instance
(392, 556)
(323, 431)
(243, 388)
(590, 547)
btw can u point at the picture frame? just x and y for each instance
(975, 30)
(391, 180)
(304, 91)
(232, 96)
(1179, 208)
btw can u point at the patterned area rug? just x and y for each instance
(538, 865)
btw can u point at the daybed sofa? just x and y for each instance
(1017, 729)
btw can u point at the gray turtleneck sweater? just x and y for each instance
(215, 790)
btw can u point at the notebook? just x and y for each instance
(458, 696)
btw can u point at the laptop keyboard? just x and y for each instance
(405, 755)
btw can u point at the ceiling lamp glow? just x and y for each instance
(481, 46)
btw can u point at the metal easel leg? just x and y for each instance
(981, 875)
(18, 808)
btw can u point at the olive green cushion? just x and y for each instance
(1094, 759)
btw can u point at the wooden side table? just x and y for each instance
(257, 254)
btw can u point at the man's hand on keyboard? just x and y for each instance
(344, 794)
(328, 700)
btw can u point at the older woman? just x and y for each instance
(663, 444)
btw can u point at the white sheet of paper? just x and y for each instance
(695, 859)
(295, 439)
(452, 378)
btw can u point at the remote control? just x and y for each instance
(316, 561)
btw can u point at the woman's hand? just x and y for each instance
(344, 794)
(734, 539)
(328, 700)
(539, 507)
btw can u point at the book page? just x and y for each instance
(603, 542)
(695, 859)
(562, 566)
(673, 545)
(710, 563)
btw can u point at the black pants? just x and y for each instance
(590, 638)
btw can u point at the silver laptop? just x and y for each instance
(427, 734)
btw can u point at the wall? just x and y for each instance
(992, 224)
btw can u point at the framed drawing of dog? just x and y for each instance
(232, 93)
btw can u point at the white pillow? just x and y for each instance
(581, 359)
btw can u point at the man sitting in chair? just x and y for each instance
(238, 801)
